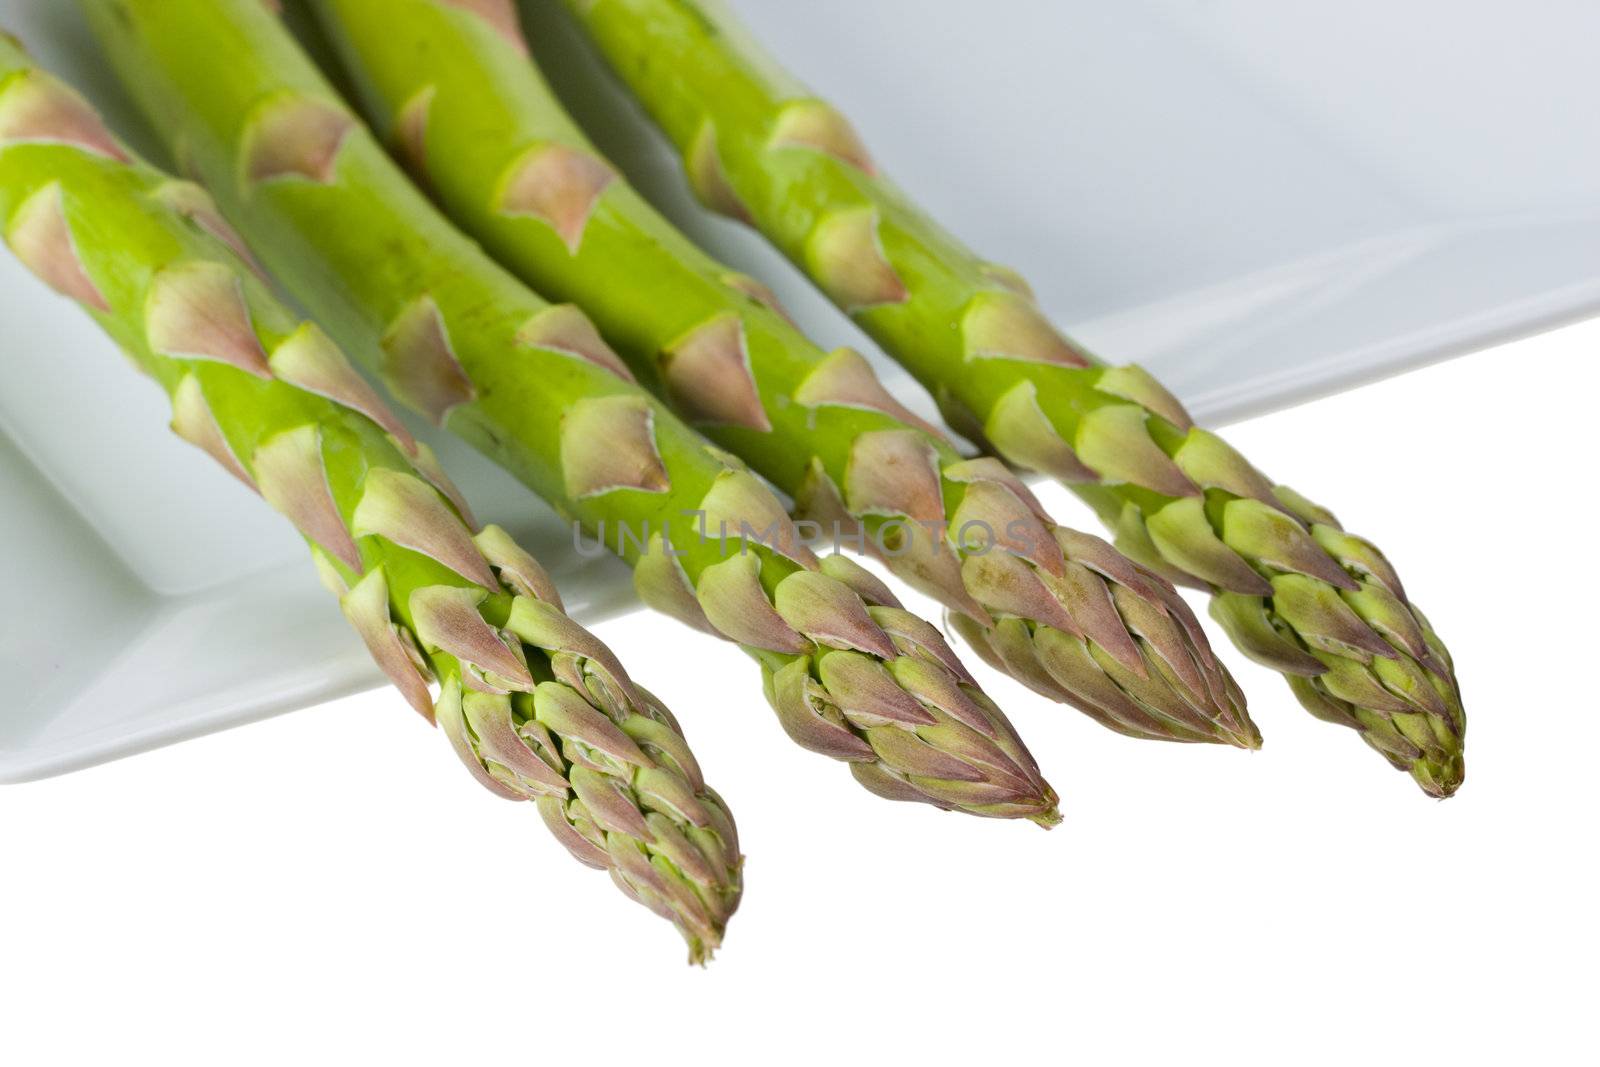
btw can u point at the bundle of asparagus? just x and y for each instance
(536, 706)
(1062, 611)
(850, 673)
(1294, 590)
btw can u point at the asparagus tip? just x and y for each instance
(1439, 779)
(702, 949)
(1245, 736)
(1047, 820)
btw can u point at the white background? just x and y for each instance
(331, 887)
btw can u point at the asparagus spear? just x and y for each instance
(537, 708)
(1062, 611)
(850, 673)
(1294, 590)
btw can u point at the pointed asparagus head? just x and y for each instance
(635, 792)
(1293, 589)
(849, 672)
(1076, 620)
(876, 686)
(540, 709)
(1063, 612)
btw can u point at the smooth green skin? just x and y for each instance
(360, 247)
(137, 235)
(363, 245)
(124, 234)
(688, 61)
(641, 281)
(355, 251)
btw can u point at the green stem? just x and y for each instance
(1294, 590)
(465, 107)
(534, 387)
(534, 704)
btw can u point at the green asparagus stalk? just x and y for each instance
(537, 708)
(1062, 611)
(1294, 590)
(850, 673)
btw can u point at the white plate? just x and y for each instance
(1261, 201)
